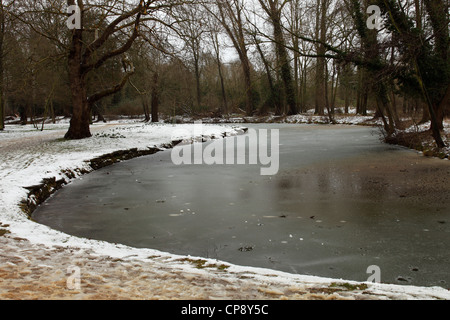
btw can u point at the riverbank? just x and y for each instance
(419, 138)
(35, 260)
(413, 136)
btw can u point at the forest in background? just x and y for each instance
(216, 58)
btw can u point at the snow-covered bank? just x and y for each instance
(34, 258)
(309, 117)
(419, 137)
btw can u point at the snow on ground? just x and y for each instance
(429, 143)
(35, 261)
(339, 119)
(308, 117)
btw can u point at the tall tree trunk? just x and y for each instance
(215, 40)
(296, 29)
(345, 81)
(198, 91)
(321, 15)
(231, 20)
(155, 98)
(438, 13)
(445, 103)
(386, 106)
(286, 74)
(23, 113)
(335, 78)
(81, 113)
(370, 46)
(79, 124)
(418, 9)
(303, 87)
(52, 112)
(145, 108)
(329, 104)
(296, 77)
(395, 110)
(273, 95)
(224, 109)
(359, 89)
(274, 12)
(2, 98)
(248, 87)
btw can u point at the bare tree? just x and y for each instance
(429, 64)
(274, 99)
(191, 29)
(214, 32)
(83, 57)
(106, 32)
(273, 9)
(295, 25)
(321, 76)
(231, 15)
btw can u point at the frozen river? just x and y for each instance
(342, 201)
